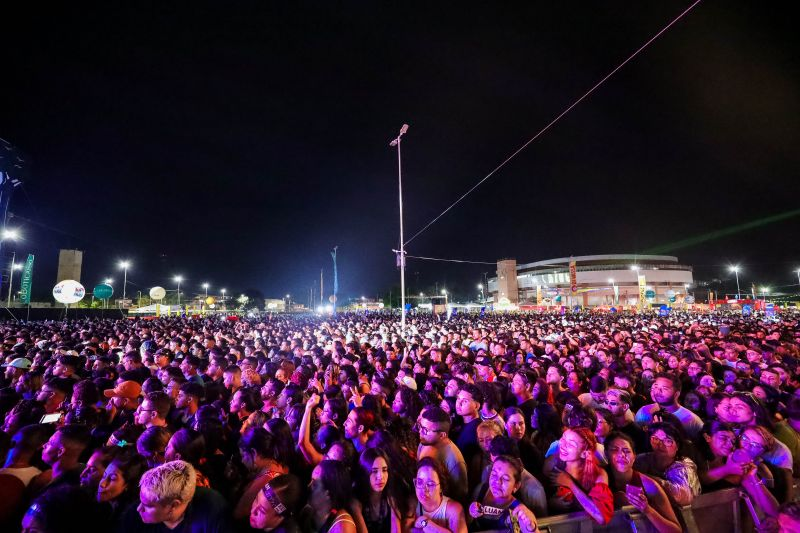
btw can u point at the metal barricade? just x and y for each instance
(716, 512)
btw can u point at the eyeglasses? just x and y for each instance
(426, 431)
(725, 439)
(425, 484)
(667, 441)
(746, 441)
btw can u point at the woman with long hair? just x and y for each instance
(264, 461)
(630, 487)
(719, 468)
(331, 493)
(547, 427)
(579, 482)
(274, 507)
(380, 505)
(669, 465)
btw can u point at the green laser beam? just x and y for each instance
(724, 232)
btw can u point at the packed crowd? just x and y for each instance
(346, 424)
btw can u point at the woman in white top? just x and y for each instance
(436, 513)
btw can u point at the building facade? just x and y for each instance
(600, 280)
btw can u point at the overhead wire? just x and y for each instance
(548, 126)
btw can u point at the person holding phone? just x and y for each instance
(631, 487)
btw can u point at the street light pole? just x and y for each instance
(396, 142)
(179, 279)
(11, 276)
(124, 266)
(735, 270)
(614, 289)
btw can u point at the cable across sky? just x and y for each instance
(553, 122)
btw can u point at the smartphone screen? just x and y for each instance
(51, 418)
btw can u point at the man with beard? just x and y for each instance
(434, 426)
(665, 391)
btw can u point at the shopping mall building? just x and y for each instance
(592, 281)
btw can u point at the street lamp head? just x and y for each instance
(765, 290)
(108, 281)
(634, 267)
(10, 235)
(17, 266)
(611, 280)
(178, 278)
(480, 286)
(288, 295)
(444, 292)
(206, 285)
(124, 264)
(223, 291)
(734, 268)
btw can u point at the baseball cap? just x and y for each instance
(126, 389)
(409, 382)
(483, 361)
(19, 362)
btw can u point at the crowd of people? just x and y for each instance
(349, 424)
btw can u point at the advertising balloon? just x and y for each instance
(69, 291)
(157, 293)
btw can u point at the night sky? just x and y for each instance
(236, 143)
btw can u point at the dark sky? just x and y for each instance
(238, 142)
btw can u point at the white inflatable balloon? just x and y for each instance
(69, 291)
(157, 293)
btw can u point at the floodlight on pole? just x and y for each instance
(206, 286)
(735, 270)
(178, 279)
(402, 252)
(10, 234)
(124, 265)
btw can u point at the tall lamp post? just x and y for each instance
(178, 280)
(444, 293)
(223, 291)
(124, 266)
(402, 259)
(14, 266)
(798, 276)
(10, 235)
(480, 288)
(206, 286)
(735, 270)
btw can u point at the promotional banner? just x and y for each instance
(538, 295)
(573, 277)
(642, 292)
(27, 279)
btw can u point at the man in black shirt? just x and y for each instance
(170, 501)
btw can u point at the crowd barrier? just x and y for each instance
(719, 511)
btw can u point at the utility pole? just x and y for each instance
(402, 253)
(321, 288)
(335, 279)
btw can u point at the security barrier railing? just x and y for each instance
(719, 511)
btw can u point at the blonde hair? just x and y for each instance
(175, 480)
(492, 425)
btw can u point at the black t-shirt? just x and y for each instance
(208, 513)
